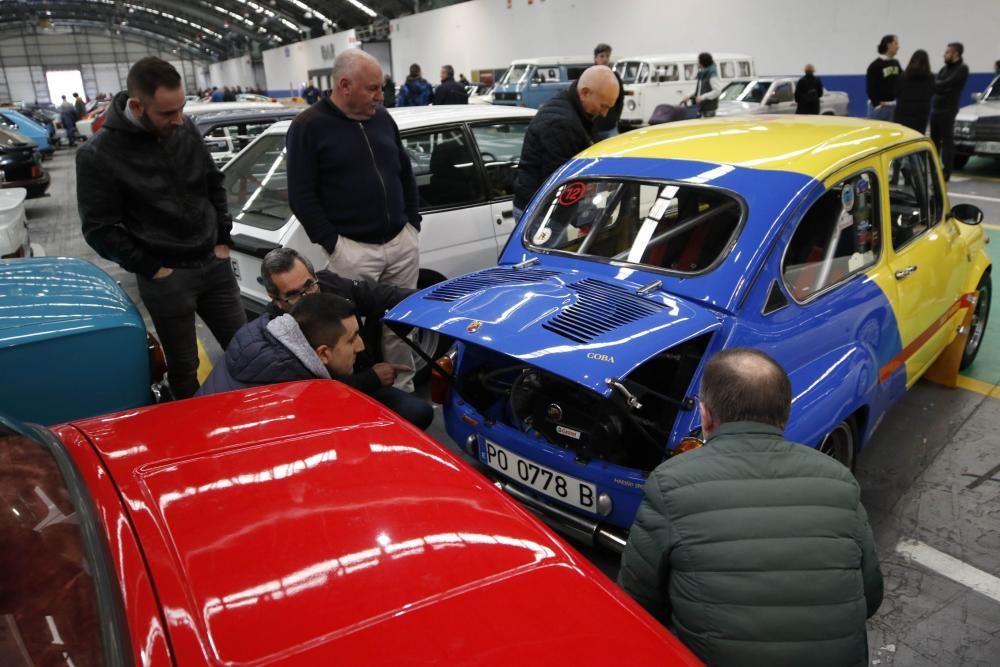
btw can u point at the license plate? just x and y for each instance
(236, 267)
(988, 147)
(564, 488)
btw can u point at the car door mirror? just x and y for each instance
(977, 97)
(967, 213)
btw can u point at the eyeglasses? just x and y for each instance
(291, 298)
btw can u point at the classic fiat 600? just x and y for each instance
(827, 242)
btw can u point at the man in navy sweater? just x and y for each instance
(351, 185)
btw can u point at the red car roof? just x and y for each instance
(305, 523)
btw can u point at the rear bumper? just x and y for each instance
(36, 187)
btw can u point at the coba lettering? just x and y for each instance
(601, 357)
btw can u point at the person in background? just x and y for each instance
(218, 95)
(913, 106)
(808, 92)
(450, 91)
(311, 94)
(948, 86)
(562, 128)
(755, 550)
(607, 126)
(708, 86)
(151, 200)
(67, 116)
(415, 91)
(347, 148)
(462, 80)
(79, 106)
(288, 277)
(228, 94)
(882, 79)
(388, 92)
(996, 67)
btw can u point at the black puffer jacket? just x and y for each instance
(450, 92)
(148, 202)
(558, 131)
(948, 86)
(757, 551)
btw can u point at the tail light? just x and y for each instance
(157, 360)
(36, 171)
(687, 444)
(439, 383)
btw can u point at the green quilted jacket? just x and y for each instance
(756, 551)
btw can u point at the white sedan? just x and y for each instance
(464, 159)
(774, 95)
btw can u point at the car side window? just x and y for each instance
(838, 237)
(728, 69)
(690, 71)
(444, 167)
(217, 139)
(783, 93)
(667, 73)
(745, 69)
(256, 185)
(915, 200)
(245, 133)
(500, 149)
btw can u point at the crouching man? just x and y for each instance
(753, 549)
(288, 276)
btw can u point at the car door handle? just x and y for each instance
(905, 273)
(509, 213)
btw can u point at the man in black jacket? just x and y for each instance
(948, 86)
(808, 90)
(450, 91)
(151, 200)
(351, 185)
(561, 129)
(288, 276)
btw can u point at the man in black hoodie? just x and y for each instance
(351, 185)
(561, 129)
(948, 87)
(151, 200)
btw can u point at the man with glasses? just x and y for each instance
(288, 277)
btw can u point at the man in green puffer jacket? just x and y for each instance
(752, 549)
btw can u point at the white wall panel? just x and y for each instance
(234, 72)
(287, 67)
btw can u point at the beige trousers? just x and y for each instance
(395, 263)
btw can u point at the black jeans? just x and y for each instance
(211, 291)
(943, 136)
(415, 410)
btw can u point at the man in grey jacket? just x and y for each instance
(754, 550)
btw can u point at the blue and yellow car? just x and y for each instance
(829, 243)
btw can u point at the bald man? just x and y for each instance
(561, 129)
(351, 185)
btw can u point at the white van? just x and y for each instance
(667, 79)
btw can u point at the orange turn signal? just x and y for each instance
(439, 383)
(687, 444)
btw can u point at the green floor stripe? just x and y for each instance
(987, 364)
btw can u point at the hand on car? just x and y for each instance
(162, 273)
(386, 372)
(221, 251)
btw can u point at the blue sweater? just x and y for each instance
(349, 177)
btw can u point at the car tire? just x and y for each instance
(980, 318)
(840, 444)
(959, 160)
(430, 343)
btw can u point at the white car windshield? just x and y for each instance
(632, 71)
(745, 91)
(515, 74)
(256, 184)
(674, 227)
(993, 92)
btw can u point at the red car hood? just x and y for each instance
(303, 524)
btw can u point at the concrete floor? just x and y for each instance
(930, 477)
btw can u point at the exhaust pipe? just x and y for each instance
(578, 528)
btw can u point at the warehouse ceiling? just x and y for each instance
(214, 29)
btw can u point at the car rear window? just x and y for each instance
(48, 602)
(257, 185)
(674, 227)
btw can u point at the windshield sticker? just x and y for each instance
(572, 193)
(542, 235)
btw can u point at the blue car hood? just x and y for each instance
(577, 325)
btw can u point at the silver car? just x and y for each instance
(775, 94)
(977, 126)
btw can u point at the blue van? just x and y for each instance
(27, 127)
(533, 81)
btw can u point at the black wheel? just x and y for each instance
(980, 317)
(958, 160)
(840, 444)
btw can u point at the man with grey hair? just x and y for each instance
(450, 91)
(351, 185)
(755, 550)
